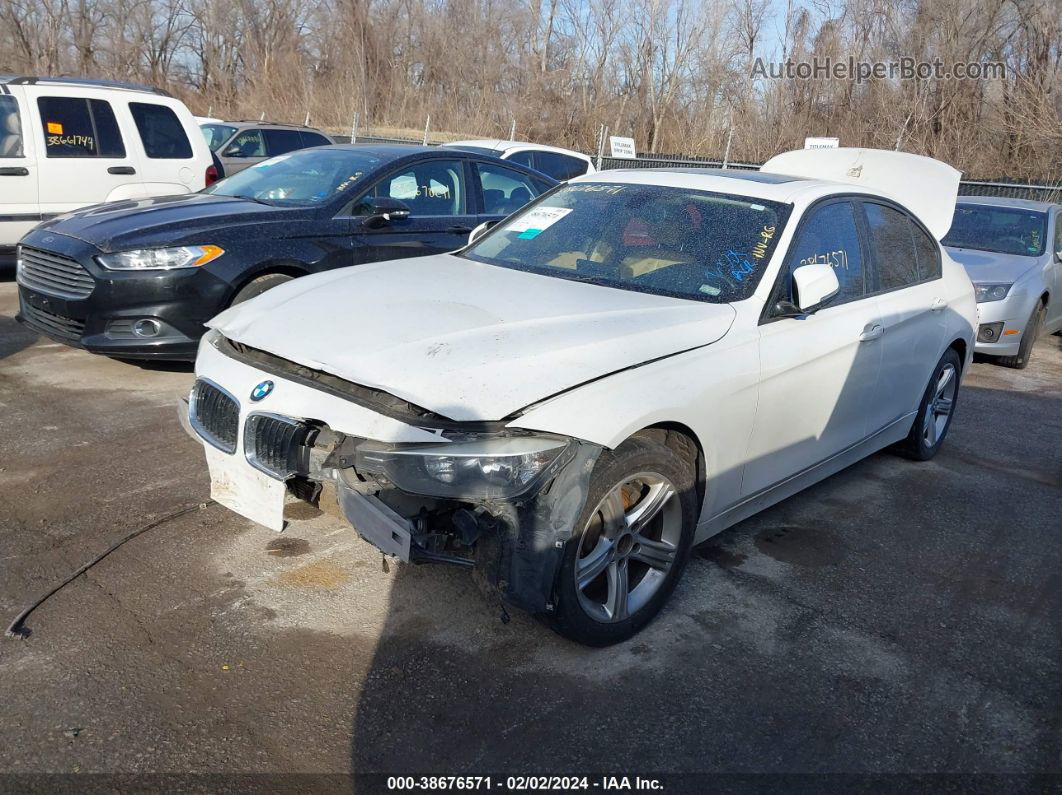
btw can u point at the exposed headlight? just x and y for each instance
(991, 292)
(476, 468)
(161, 259)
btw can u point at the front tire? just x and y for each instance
(1020, 360)
(631, 544)
(936, 410)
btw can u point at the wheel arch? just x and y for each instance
(681, 439)
(283, 267)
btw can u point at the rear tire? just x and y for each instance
(1028, 338)
(631, 544)
(259, 285)
(936, 410)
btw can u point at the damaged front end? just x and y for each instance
(501, 501)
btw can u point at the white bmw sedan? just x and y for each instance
(611, 375)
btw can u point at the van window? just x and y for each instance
(160, 131)
(10, 128)
(279, 142)
(79, 128)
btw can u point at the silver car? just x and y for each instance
(1012, 251)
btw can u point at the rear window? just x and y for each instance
(314, 139)
(559, 166)
(76, 127)
(1003, 230)
(647, 238)
(160, 131)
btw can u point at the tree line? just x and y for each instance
(680, 76)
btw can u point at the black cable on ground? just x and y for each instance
(16, 630)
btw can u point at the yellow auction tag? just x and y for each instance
(55, 129)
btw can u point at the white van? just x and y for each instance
(66, 143)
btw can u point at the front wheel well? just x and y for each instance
(959, 346)
(283, 268)
(684, 442)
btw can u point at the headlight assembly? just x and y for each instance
(991, 292)
(474, 468)
(161, 259)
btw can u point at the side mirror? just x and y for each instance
(479, 231)
(815, 285)
(385, 211)
(231, 151)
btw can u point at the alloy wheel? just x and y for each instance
(628, 546)
(938, 409)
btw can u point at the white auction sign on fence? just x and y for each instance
(622, 148)
(822, 143)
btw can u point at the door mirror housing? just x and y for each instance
(479, 231)
(814, 285)
(231, 151)
(386, 210)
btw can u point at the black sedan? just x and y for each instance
(137, 279)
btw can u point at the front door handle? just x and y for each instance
(872, 333)
(937, 305)
(459, 230)
(126, 170)
(14, 171)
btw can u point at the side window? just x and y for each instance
(432, 187)
(559, 166)
(928, 251)
(248, 143)
(10, 128)
(1058, 232)
(892, 246)
(313, 139)
(279, 142)
(521, 158)
(160, 131)
(829, 235)
(79, 128)
(504, 191)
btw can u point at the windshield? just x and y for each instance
(216, 134)
(648, 238)
(310, 176)
(1003, 230)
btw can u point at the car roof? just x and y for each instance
(743, 182)
(999, 201)
(502, 145)
(256, 123)
(79, 82)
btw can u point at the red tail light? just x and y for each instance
(211, 175)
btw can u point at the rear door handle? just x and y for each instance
(127, 170)
(937, 305)
(872, 333)
(14, 171)
(459, 230)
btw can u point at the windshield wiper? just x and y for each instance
(254, 199)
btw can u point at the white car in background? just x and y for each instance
(561, 164)
(620, 370)
(66, 143)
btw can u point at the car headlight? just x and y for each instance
(474, 468)
(991, 292)
(162, 259)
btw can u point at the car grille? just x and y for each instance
(49, 323)
(54, 274)
(215, 415)
(278, 446)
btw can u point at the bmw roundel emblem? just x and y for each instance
(261, 391)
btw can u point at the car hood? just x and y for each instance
(165, 220)
(467, 340)
(989, 266)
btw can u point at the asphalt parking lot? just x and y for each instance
(896, 618)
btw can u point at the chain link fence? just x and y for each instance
(1038, 190)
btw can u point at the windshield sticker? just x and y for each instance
(537, 220)
(54, 128)
(342, 186)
